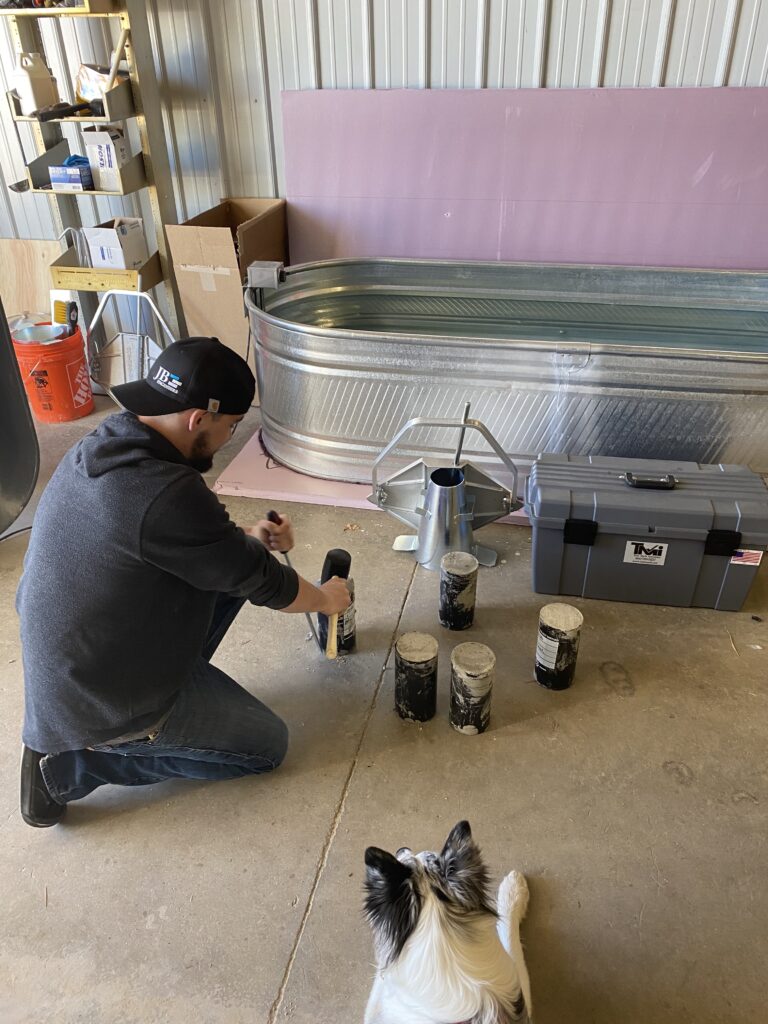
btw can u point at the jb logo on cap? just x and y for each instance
(170, 381)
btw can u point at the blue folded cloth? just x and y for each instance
(75, 160)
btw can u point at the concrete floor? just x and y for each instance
(634, 802)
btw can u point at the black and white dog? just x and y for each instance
(445, 954)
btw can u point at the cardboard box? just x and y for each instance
(118, 244)
(107, 151)
(71, 179)
(210, 255)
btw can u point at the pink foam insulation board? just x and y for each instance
(253, 474)
(662, 177)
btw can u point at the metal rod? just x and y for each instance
(274, 517)
(141, 297)
(462, 432)
(307, 616)
(116, 59)
(139, 351)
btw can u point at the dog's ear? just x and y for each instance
(459, 836)
(460, 851)
(465, 874)
(382, 866)
(391, 902)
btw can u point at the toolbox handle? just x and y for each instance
(667, 482)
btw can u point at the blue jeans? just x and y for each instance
(215, 730)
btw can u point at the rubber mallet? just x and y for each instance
(337, 563)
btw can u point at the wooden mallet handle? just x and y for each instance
(330, 644)
(337, 563)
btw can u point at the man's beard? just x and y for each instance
(201, 458)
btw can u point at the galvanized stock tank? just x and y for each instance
(647, 363)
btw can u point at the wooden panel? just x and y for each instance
(67, 274)
(26, 280)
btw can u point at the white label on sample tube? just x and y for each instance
(546, 651)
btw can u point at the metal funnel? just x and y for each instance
(446, 523)
(444, 503)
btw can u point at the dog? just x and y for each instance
(444, 953)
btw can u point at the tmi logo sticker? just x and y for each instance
(640, 552)
(168, 380)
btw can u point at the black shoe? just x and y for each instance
(37, 807)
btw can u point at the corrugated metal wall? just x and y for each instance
(223, 63)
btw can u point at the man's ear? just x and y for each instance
(194, 419)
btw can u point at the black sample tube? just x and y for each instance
(472, 672)
(337, 563)
(558, 645)
(416, 676)
(346, 627)
(458, 589)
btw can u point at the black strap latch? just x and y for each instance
(722, 542)
(580, 531)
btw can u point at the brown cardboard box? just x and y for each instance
(210, 271)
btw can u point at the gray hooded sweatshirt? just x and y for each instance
(129, 550)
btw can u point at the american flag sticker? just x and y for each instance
(746, 557)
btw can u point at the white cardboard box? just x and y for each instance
(118, 244)
(107, 151)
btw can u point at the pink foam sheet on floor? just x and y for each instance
(253, 474)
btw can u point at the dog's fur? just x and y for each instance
(444, 954)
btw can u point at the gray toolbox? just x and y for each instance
(646, 531)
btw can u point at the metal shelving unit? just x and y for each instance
(137, 100)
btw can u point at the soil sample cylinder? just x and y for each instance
(558, 645)
(416, 676)
(338, 563)
(346, 629)
(458, 589)
(472, 671)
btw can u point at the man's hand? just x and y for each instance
(336, 596)
(274, 536)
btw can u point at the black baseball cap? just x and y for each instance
(194, 373)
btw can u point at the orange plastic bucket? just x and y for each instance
(56, 378)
